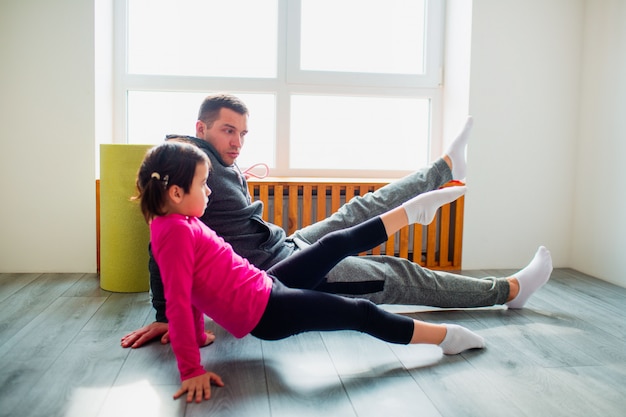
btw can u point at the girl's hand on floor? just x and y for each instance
(199, 387)
(147, 333)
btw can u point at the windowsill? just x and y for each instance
(321, 180)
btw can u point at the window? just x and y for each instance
(334, 87)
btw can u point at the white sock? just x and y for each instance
(533, 277)
(459, 339)
(456, 150)
(422, 208)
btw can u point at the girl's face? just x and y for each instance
(194, 203)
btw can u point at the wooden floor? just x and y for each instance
(564, 355)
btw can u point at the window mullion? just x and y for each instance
(282, 122)
(197, 84)
(435, 17)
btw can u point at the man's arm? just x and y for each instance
(156, 288)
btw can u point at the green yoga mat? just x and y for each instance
(124, 234)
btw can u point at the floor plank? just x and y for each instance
(11, 283)
(27, 302)
(122, 312)
(389, 396)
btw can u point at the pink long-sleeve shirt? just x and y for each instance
(202, 274)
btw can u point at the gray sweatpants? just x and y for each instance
(391, 280)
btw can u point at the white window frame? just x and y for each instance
(291, 80)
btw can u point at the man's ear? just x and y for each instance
(200, 128)
(176, 193)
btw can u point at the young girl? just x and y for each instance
(203, 275)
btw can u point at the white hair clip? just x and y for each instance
(157, 177)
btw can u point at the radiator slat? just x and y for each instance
(444, 235)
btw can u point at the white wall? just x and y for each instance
(524, 95)
(599, 227)
(47, 210)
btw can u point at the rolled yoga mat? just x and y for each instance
(124, 234)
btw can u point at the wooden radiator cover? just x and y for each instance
(436, 246)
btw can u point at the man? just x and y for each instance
(220, 132)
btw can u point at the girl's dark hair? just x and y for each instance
(171, 163)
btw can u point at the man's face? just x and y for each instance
(226, 134)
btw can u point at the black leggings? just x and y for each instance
(294, 307)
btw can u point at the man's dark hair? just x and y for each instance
(211, 106)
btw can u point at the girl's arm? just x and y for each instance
(174, 253)
(175, 256)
